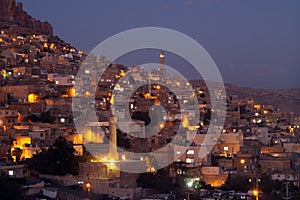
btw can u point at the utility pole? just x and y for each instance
(287, 194)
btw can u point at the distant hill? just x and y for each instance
(287, 100)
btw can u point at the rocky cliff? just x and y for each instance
(15, 19)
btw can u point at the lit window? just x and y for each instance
(226, 148)
(242, 161)
(190, 152)
(62, 120)
(10, 172)
(189, 160)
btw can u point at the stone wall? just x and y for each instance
(60, 180)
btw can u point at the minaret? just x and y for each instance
(149, 84)
(162, 60)
(113, 153)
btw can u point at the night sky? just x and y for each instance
(254, 43)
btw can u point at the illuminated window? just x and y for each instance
(226, 148)
(10, 172)
(242, 161)
(190, 152)
(189, 160)
(62, 120)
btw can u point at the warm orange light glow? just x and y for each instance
(77, 139)
(255, 192)
(242, 161)
(87, 93)
(192, 95)
(88, 136)
(33, 98)
(185, 121)
(21, 141)
(147, 95)
(122, 74)
(157, 87)
(88, 185)
(257, 106)
(112, 100)
(71, 92)
(161, 55)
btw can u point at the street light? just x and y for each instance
(190, 185)
(255, 190)
(255, 193)
(88, 187)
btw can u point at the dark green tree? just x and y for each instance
(159, 180)
(57, 160)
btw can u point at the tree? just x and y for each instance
(57, 160)
(268, 185)
(10, 189)
(159, 180)
(237, 182)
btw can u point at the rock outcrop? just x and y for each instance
(14, 18)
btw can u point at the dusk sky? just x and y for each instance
(254, 43)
